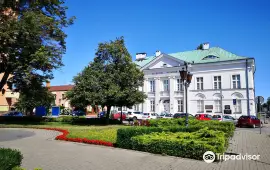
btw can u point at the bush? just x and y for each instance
(124, 135)
(226, 127)
(188, 145)
(63, 119)
(9, 158)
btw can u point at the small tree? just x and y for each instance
(112, 79)
(36, 95)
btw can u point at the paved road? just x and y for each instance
(41, 150)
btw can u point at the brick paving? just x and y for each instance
(41, 150)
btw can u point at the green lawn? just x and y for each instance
(105, 133)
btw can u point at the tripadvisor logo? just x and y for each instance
(209, 157)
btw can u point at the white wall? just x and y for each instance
(224, 69)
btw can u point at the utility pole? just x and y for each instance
(247, 88)
(221, 102)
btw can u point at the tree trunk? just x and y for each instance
(121, 115)
(108, 114)
(4, 80)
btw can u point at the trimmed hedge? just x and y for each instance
(63, 119)
(187, 145)
(124, 135)
(9, 158)
(226, 127)
(129, 138)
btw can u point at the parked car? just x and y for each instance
(249, 121)
(181, 115)
(147, 116)
(134, 115)
(13, 113)
(118, 116)
(166, 116)
(78, 113)
(203, 117)
(102, 114)
(226, 118)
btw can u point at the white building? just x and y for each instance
(218, 77)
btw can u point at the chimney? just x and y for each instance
(205, 46)
(158, 53)
(140, 56)
(48, 84)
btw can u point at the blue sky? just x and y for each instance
(241, 27)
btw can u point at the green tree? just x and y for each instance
(37, 95)
(112, 79)
(32, 40)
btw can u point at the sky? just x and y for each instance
(239, 26)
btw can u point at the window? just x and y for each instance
(209, 57)
(180, 106)
(217, 82)
(238, 108)
(199, 83)
(152, 104)
(179, 85)
(236, 81)
(164, 65)
(136, 107)
(200, 106)
(124, 108)
(63, 96)
(165, 85)
(152, 85)
(217, 106)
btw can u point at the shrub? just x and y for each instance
(124, 135)
(226, 127)
(9, 158)
(188, 145)
(64, 119)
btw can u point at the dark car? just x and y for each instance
(78, 113)
(249, 121)
(14, 113)
(181, 115)
(102, 114)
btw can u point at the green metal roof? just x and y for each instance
(198, 56)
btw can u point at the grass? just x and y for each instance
(105, 133)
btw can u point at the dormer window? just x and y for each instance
(164, 65)
(210, 57)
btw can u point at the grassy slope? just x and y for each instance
(105, 133)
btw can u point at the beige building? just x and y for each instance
(7, 98)
(59, 94)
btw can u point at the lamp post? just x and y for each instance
(186, 78)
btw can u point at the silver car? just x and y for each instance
(226, 118)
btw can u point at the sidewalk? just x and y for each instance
(251, 143)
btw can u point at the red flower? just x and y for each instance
(65, 133)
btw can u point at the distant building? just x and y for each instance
(60, 94)
(7, 98)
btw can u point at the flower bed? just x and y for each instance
(80, 140)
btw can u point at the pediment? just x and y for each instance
(164, 61)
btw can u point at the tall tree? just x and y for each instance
(112, 79)
(32, 40)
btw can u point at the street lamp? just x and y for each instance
(186, 78)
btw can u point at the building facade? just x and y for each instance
(218, 77)
(7, 98)
(59, 93)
